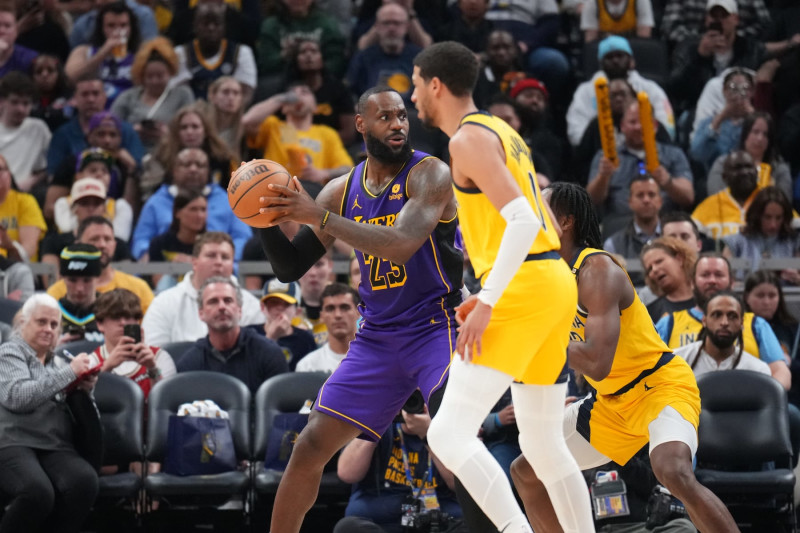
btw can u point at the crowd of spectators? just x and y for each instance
(121, 122)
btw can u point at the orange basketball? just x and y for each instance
(249, 183)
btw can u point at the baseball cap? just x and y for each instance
(728, 5)
(613, 43)
(528, 83)
(91, 155)
(80, 260)
(288, 292)
(87, 187)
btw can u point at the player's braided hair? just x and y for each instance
(570, 199)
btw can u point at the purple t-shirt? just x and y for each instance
(21, 60)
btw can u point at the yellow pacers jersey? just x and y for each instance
(623, 23)
(481, 224)
(684, 326)
(639, 347)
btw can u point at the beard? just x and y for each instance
(531, 118)
(386, 154)
(724, 341)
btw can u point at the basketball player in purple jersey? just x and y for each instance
(398, 210)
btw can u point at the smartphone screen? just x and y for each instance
(133, 331)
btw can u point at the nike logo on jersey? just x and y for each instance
(646, 388)
(433, 321)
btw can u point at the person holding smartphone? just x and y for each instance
(119, 314)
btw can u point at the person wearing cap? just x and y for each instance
(21, 222)
(228, 348)
(617, 17)
(699, 58)
(23, 139)
(92, 179)
(107, 132)
(172, 317)
(684, 19)
(79, 266)
(279, 305)
(616, 61)
(340, 316)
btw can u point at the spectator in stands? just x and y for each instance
(681, 225)
(225, 110)
(616, 61)
(340, 315)
(189, 128)
(758, 138)
(79, 134)
(242, 20)
(714, 98)
(190, 171)
(93, 177)
(98, 231)
(699, 58)
(501, 68)
(335, 106)
(312, 152)
(210, 55)
(608, 186)
(617, 17)
(189, 215)
(767, 232)
(381, 483)
(52, 90)
(716, 347)
(279, 305)
(21, 222)
(85, 26)
(763, 296)
(109, 54)
(470, 28)
(12, 56)
(416, 32)
(668, 264)
(723, 213)
(535, 26)
(105, 134)
(79, 268)
(228, 348)
(644, 200)
(16, 280)
(152, 101)
(87, 199)
(505, 108)
(712, 273)
(173, 316)
(146, 365)
(48, 486)
(685, 19)
(42, 26)
(538, 130)
(292, 20)
(719, 132)
(23, 139)
(312, 283)
(390, 60)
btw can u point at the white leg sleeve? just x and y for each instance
(539, 410)
(471, 392)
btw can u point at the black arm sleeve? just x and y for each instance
(291, 259)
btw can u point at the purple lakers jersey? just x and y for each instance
(428, 282)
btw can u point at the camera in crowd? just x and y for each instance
(433, 521)
(663, 507)
(415, 405)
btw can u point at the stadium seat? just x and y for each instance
(177, 349)
(744, 426)
(8, 308)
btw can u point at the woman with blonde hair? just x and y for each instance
(152, 101)
(190, 128)
(225, 110)
(668, 264)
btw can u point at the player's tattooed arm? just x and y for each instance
(603, 290)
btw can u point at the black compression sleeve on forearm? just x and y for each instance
(291, 259)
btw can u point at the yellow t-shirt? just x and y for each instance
(720, 214)
(121, 280)
(20, 209)
(320, 146)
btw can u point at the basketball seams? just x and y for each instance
(257, 183)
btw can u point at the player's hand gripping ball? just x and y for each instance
(249, 183)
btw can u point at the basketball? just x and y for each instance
(249, 183)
